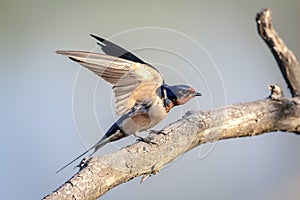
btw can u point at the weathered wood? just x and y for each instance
(286, 60)
(246, 119)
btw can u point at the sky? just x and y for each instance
(52, 109)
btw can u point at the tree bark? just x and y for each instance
(285, 58)
(97, 175)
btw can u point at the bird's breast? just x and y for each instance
(142, 121)
(157, 112)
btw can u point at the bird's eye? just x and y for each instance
(185, 92)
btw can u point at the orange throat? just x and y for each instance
(169, 106)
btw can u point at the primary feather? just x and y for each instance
(127, 77)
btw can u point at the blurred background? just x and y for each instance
(52, 109)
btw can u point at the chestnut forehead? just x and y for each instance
(192, 90)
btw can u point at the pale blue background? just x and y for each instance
(38, 129)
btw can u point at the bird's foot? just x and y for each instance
(153, 172)
(145, 177)
(146, 140)
(157, 132)
(84, 162)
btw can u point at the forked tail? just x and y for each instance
(113, 134)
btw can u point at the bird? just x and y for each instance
(142, 97)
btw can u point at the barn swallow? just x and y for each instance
(142, 97)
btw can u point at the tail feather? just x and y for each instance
(113, 134)
(99, 144)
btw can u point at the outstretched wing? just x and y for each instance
(112, 49)
(132, 81)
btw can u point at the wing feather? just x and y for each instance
(131, 81)
(114, 50)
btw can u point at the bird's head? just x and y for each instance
(180, 94)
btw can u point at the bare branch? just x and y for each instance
(285, 58)
(98, 175)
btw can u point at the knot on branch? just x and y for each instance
(276, 92)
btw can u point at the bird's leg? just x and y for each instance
(146, 140)
(157, 132)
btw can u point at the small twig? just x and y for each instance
(276, 92)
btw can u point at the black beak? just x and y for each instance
(198, 94)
